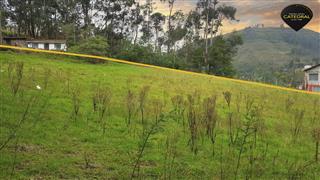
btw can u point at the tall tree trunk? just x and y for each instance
(1, 24)
(122, 25)
(85, 8)
(74, 33)
(136, 35)
(156, 41)
(169, 26)
(149, 3)
(216, 30)
(212, 33)
(206, 38)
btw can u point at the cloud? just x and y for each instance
(251, 12)
(268, 12)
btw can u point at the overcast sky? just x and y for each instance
(251, 12)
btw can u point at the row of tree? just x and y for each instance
(131, 30)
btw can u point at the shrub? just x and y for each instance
(193, 121)
(316, 138)
(130, 104)
(15, 75)
(102, 104)
(75, 97)
(143, 94)
(95, 46)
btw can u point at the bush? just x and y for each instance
(135, 53)
(94, 45)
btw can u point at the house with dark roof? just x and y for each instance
(59, 45)
(15, 41)
(312, 78)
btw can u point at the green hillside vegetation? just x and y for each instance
(65, 118)
(273, 54)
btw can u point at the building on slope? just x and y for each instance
(312, 78)
(59, 45)
(14, 41)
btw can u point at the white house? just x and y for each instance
(312, 78)
(59, 45)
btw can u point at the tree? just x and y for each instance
(157, 20)
(222, 53)
(178, 30)
(86, 8)
(42, 18)
(1, 19)
(70, 12)
(146, 28)
(193, 26)
(117, 16)
(213, 15)
(206, 5)
(136, 20)
(171, 4)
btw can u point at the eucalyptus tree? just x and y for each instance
(178, 30)
(86, 8)
(108, 15)
(193, 25)
(2, 18)
(157, 20)
(49, 19)
(171, 5)
(222, 13)
(146, 29)
(176, 34)
(136, 20)
(34, 18)
(115, 17)
(213, 15)
(23, 15)
(69, 10)
(125, 16)
(70, 20)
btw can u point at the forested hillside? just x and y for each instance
(275, 54)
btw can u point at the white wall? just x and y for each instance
(64, 47)
(51, 47)
(314, 71)
(40, 46)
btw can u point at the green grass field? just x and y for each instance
(65, 118)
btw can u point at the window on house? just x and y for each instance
(35, 45)
(313, 77)
(57, 46)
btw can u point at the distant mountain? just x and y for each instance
(268, 52)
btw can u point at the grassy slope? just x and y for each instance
(51, 144)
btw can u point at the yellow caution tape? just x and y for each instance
(158, 67)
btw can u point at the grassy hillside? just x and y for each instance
(64, 118)
(267, 50)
